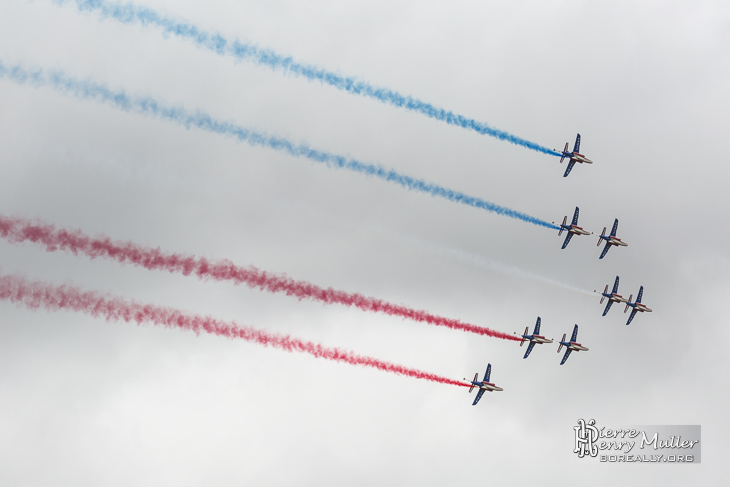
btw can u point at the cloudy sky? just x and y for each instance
(87, 402)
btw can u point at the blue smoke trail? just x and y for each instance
(131, 14)
(149, 106)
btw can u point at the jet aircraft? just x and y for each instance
(572, 229)
(574, 156)
(534, 338)
(638, 306)
(571, 345)
(610, 239)
(613, 296)
(484, 385)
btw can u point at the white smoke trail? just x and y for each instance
(462, 255)
(493, 265)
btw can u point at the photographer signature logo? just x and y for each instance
(658, 443)
(586, 436)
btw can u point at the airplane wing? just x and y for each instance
(615, 285)
(608, 306)
(631, 317)
(641, 293)
(575, 216)
(529, 349)
(615, 227)
(605, 251)
(479, 396)
(569, 168)
(575, 333)
(567, 240)
(537, 327)
(576, 148)
(565, 357)
(488, 373)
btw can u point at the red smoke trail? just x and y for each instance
(35, 295)
(20, 230)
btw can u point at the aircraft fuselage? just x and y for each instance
(487, 386)
(615, 241)
(575, 229)
(576, 347)
(575, 156)
(616, 298)
(537, 338)
(642, 307)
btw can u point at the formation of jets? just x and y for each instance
(611, 240)
(534, 339)
(614, 297)
(574, 229)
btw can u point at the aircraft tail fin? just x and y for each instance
(560, 347)
(627, 303)
(605, 290)
(476, 376)
(565, 219)
(523, 338)
(564, 151)
(603, 233)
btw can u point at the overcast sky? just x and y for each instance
(86, 402)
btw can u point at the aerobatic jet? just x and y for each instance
(534, 338)
(572, 229)
(574, 156)
(610, 239)
(613, 296)
(638, 306)
(484, 385)
(571, 345)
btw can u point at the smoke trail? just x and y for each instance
(36, 295)
(131, 14)
(149, 106)
(18, 230)
(471, 258)
(486, 263)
